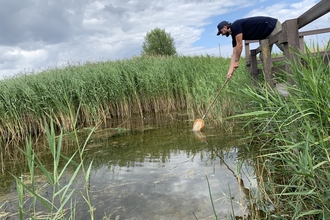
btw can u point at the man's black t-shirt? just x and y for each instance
(253, 28)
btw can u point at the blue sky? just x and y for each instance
(40, 34)
(285, 10)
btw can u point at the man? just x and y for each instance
(253, 28)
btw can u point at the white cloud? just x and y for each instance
(38, 34)
(283, 10)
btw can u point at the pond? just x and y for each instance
(159, 169)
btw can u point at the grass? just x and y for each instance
(210, 193)
(289, 135)
(55, 200)
(98, 92)
(90, 95)
(290, 140)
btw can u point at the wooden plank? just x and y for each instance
(258, 49)
(251, 41)
(313, 13)
(274, 38)
(274, 59)
(313, 32)
(277, 59)
(278, 69)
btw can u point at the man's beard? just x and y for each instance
(227, 34)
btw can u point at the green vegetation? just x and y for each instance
(55, 199)
(158, 43)
(289, 134)
(94, 93)
(80, 96)
(290, 140)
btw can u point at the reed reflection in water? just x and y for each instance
(158, 171)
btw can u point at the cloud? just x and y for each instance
(25, 22)
(283, 10)
(42, 33)
(38, 34)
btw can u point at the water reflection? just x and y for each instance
(159, 172)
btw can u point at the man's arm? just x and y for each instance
(237, 50)
(239, 46)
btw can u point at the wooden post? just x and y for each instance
(290, 40)
(302, 44)
(247, 57)
(254, 66)
(267, 62)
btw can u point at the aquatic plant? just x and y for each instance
(97, 92)
(52, 197)
(290, 139)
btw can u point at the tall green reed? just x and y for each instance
(97, 92)
(292, 134)
(211, 198)
(58, 200)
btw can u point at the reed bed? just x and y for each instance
(91, 94)
(45, 193)
(290, 136)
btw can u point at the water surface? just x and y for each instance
(160, 171)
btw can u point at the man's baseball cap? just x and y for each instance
(220, 26)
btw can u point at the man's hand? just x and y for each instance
(231, 70)
(229, 74)
(236, 64)
(237, 50)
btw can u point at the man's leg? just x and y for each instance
(277, 29)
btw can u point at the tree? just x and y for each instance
(158, 42)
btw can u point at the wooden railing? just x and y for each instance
(290, 38)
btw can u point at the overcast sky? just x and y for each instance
(41, 34)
